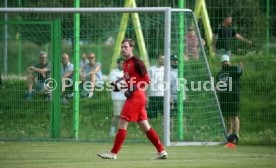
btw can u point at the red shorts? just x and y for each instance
(134, 109)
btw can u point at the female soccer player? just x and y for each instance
(134, 110)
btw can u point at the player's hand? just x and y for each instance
(30, 69)
(43, 75)
(249, 42)
(128, 94)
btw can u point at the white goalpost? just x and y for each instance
(201, 121)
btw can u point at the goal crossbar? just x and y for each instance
(90, 10)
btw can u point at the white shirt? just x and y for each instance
(115, 75)
(69, 67)
(156, 81)
(83, 62)
(174, 85)
(88, 68)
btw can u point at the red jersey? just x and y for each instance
(132, 75)
(135, 73)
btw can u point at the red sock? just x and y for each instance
(153, 137)
(119, 140)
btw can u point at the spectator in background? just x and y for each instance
(191, 44)
(223, 36)
(91, 72)
(118, 98)
(37, 75)
(83, 60)
(67, 69)
(174, 82)
(156, 88)
(229, 96)
(174, 88)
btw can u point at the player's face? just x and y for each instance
(161, 60)
(65, 59)
(174, 64)
(91, 58)
(126, 50)
(43, 59)
(229, 21)
(83, 56)
(225, 63)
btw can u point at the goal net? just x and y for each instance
(201, 121)
(187, 111)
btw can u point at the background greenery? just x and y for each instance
(22, 119)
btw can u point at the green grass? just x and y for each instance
(140, 155)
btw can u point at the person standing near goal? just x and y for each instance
(134, 110)
(156, 89)
(229, 97)
(118, 98)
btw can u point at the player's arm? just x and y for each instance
(94, 71)
(81, 71)
(39, 70)
(240, 68)
(68, 74)
(145, 74)
(82, 68)
(30, 69)
(241, 38)
(97, 69)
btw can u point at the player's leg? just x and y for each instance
(237, 125)
(93, 83)
(151, 134)
(117, 108)
(30, 83)
(119, 140)
(113, 125)
(236, 121)
(43, 89)
(114, 120)
(154, 138)
(120, 137)
(228, 124)
(232, 125)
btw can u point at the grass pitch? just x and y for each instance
(140, 155)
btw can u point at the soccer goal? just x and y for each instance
(190, 112)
